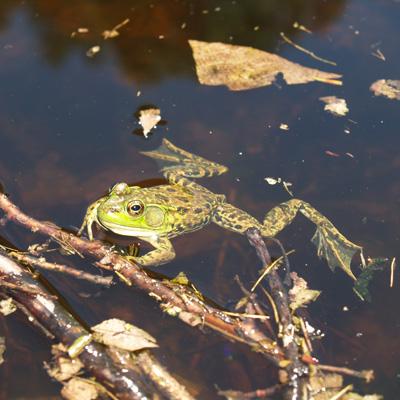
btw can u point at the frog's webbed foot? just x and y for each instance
(89, 219)
(176, 163)
(331, 244)
(162, 254)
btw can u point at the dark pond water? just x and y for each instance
(67, 126)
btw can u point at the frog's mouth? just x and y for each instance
(126, 230)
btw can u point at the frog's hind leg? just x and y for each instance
(176, 163)
(331, 244)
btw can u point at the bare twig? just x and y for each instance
(42, 263)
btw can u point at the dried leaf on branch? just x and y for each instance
(241, 68)
(118, 333)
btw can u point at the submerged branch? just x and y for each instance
(295, 369)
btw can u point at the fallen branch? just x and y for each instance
(175, 299)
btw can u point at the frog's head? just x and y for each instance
(128, 212)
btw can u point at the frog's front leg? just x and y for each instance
(163, 253)
(331, 244)
(90, 218)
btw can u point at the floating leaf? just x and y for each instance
(386, 87)
(118, 333)
(335, 105)
(241, 68)
(149, 118)
(299, 294)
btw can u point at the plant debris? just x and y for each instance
(118, 333)
(80, 31)
(386, 87)
(80, 389)
(7, 306)
(335, 105)
(378, 54)
(299, 294)
(310, 53)
(93, 51)
(274, 181)
(113, 32)
(242, 68)
(148, 119)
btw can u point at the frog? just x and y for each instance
(159, 213)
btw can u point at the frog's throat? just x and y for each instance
(127, 230)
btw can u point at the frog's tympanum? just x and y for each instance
(157, 214)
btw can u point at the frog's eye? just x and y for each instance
(135, 208)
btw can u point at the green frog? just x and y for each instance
(157, 214)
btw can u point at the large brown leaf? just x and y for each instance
(241, 68)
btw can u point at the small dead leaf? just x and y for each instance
(93, 51)
(241, 68)
(80, 389)
(335, 106)
(112, 33)
(299, 294)
(181, 279)
(2, 348)
(7, 306)
(386, 87)
(148, 119)
(65, 368)
(118, 333)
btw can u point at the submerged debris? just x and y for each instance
(148, 119)
(300, 295)
(241, 68)
(335, 105)
(386, 87)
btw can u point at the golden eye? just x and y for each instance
(135, 207)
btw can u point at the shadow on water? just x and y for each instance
(65, 138)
